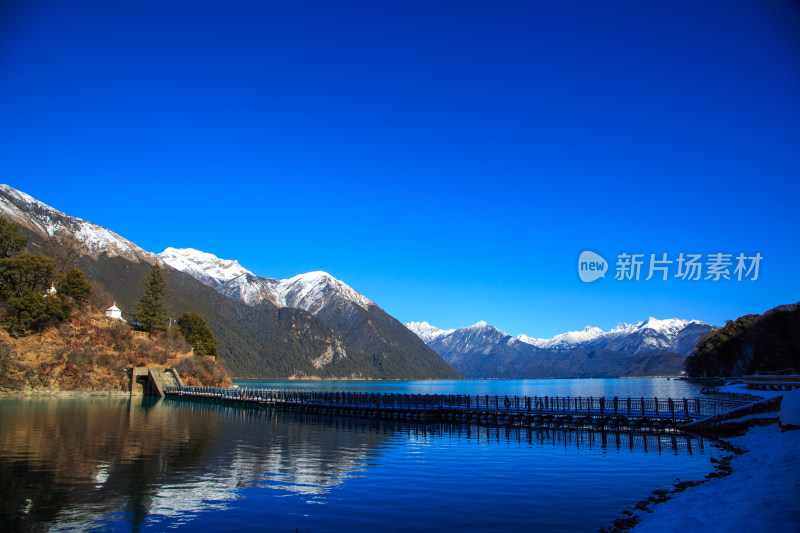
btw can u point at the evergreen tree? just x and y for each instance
(11, 242)
(23, 280)
(34, 312)
(152, 311)
(197, 333)
(25, 273)
(75, 286)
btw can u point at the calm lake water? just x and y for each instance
(647, 387)
(77, 464)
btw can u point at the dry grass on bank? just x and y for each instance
(93, 353)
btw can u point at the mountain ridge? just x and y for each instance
(303, 291)
(667, 329)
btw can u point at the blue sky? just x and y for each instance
(449, 160)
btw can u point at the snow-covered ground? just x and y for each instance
(741, 388)
(762, 494)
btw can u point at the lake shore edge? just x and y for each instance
(59, 393)
(651, 516)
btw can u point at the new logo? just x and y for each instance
(591, 266)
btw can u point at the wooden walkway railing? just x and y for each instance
(502, 409)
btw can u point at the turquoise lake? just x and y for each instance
(100, 464)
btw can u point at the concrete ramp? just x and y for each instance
(176, 377)
(151, 381)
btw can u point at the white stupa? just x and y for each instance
(51, 290)
(114, 312)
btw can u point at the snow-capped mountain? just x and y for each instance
(227, 276)
(366, 330)
(426, 332)
(569, 339)
(645, 348)
(311, 292)
(204, 267)
(480, 337)
(45, 221)
(478, 345)
(315, 290)
(674, 334)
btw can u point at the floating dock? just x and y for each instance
(523, 411)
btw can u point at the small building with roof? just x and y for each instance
(114, 312)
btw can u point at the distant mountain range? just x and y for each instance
(311, 325)
(651, 347)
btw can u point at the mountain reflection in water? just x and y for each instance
(119, 464)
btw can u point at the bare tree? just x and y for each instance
(100, 297)
(64, 248)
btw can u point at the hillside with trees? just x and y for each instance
(750, 344)
(52, 339)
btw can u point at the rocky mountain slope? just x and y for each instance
(43, 220)
(365, 329)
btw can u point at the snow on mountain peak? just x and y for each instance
(39, 217)
(426, 332)
(668, 334)
(194, 261)
(569, 339)
(665, 325)
(21, 197)
(310, 291)
(313, 290)
(318, 276)
(225, 275)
